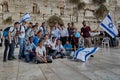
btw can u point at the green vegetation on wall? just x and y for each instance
(54, 19)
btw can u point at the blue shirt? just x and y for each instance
(30, 46)
(68, 46)
(36, 40)
(77, 35)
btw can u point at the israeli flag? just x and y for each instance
(26, 17)
(109, 27)
(84, 53)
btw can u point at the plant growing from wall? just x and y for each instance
(99, 1)
(79, 5)
(74, 1)
(8, 20)
(54, 19)
(102, 10)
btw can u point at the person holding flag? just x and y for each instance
(21, 34)
(107, 25)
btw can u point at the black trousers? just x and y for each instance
(7, 46)
(51, 52)
(1, 43)
(63, 39)
(49, 60)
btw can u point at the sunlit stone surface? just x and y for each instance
(104, 66)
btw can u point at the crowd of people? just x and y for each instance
(38, 45)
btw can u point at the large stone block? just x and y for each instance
(6, 15)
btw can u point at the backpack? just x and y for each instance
(5, 32)
(24, 28)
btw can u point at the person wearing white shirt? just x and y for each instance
(29, 50)
(38, 28)
(56, 31)
(46, 42)
(53, 43)
(60, 50)
(12, 39)
(21, 31)
(21, 34)
(63, 34)
(9, 42)
(31, 32)
(43, 26)
(52, 48)
(41, 56)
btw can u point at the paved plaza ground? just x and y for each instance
(104, 66)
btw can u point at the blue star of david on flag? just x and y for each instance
(108, 26)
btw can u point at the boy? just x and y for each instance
(9, 42)
(30, 50)
(60, 50)
(41, 56)
(68, 48)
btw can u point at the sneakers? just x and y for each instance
(4, 60)
(10, 59)
(13, 57)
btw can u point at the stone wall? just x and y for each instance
(41, 10)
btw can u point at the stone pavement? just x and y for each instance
(104, 66)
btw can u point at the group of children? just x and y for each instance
(37, 44)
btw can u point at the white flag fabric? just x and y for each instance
(84, 53)
(109, 26)
(26, 17)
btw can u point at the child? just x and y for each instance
(68, 48)
(41, 56)
(60, 50)
(52, 47)
(30, 50)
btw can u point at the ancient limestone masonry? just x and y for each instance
(41, 10)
